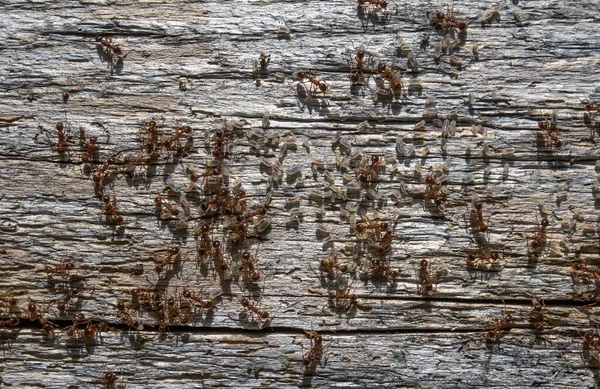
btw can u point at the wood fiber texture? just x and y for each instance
(194, 64)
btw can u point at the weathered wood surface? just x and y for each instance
(395, 337)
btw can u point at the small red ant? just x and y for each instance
(593, 109)
(426, 280)
(252, 309)
(111, 49)
(316, 85)
(343, 300)
(446, 21)
(550, 131)
(536, 315)
(312, 357)
(395, 85)
(582, 270)
(111, 210)
(538, 239)
(494, 332)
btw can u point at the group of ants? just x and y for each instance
(243, 222)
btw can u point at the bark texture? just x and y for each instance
(198, 64)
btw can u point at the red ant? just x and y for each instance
(220, 142)
(12, 322)
(494, 332)
(92, 331)
(36, 314)
(584, 271)
(593, 109)
(204, 244)
(395, 85)
(374, 226)
(589, 341)
(173, 143)
(165, 208)
(109, 380)
(8, 300)
(209, 172)
(249, 265)
(376, 5)
(252, 309)
(484, 260)
(434, 192)
(538, 239)
(550, 131)
(367, 170)
(316, 85)
(103, 172)
(124, 315)
(73, 330)
(343, 300)
(358, 67)
(446, 21)
(65, 265)
(330, 265)
(426, 280)
(173, 256)
(312, 357)
(69, 293)
(88, 146)
(110, 209)
(381, 269)
(63, 143)
(536, 314)
(221, 264)
(479, 211)
(202, 303)
(110, 48)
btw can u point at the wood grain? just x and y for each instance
(191, 63)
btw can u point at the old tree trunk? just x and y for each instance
(347, 175)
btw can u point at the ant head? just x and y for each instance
(544, 223)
